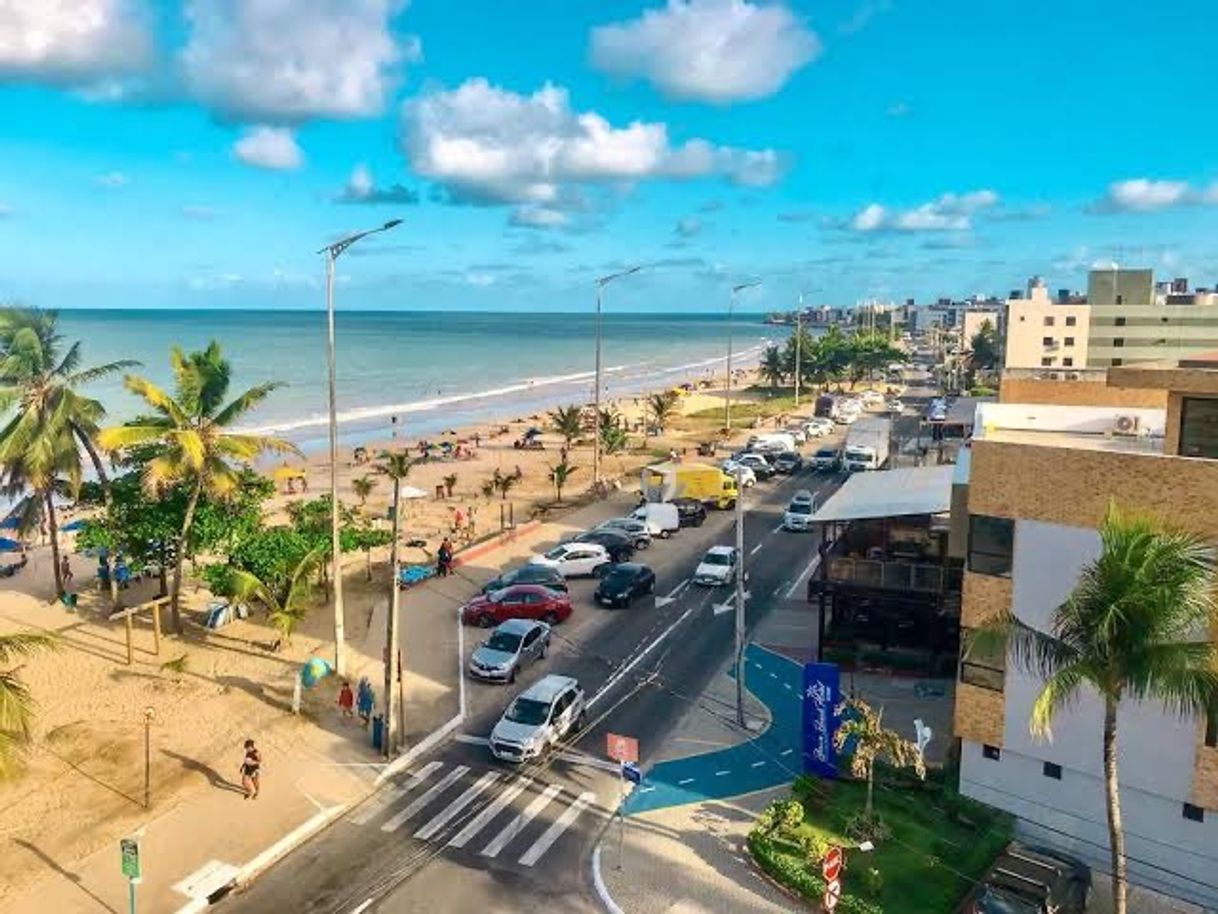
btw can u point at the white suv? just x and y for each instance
(573, 560)
(717, 567)
(538, 718)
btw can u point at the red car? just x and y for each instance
(520, 601)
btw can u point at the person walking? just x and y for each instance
(445, 557)
(251, 768)
(65, 568)
(346, 701)
(365, 701)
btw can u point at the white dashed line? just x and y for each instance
(787, 751)
(720, 774)
(684, 781)
(757, 764)
(756, 549)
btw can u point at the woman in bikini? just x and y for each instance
(250, 766)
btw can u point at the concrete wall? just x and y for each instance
(1026, 331)
(1078, 393)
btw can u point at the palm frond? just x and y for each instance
(158, 399)
(98, 372)
(244, 403)
(248, 587)
(1029, 648)
(1060, 691)
(68, 363)
(1183, 675)
(119, 437)
(25, 644)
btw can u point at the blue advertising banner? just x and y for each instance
(822, 694)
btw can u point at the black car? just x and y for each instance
(788, 462)
(528, 574)
(617, 543)
(1032, 880)
(622, 583)
(690, 512)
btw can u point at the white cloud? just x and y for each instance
(688, 227)
(489, 145)
(274, 61)
(717, 51)
(898, 109)
(72, 42)
(532, 216)
(361, 188)
(113, 179)
(862, 16)
(950, 212)
(1143, 195)
(269, 147)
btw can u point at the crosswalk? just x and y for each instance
(453, 806)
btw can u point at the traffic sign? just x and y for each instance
(831, 865)
(130, 850)
(632, 773)
(833, 894)
(621, 748)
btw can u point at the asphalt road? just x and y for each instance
(462, 832)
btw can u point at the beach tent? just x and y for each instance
(12, 522)
(413, 492)
(8, 545)
(75, 526)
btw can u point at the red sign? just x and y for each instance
(831, 866)
(833, 894)
(621, 748)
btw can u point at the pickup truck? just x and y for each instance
(1031, 880)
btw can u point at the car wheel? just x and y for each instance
(643, 544)
(551, 618)
(485, 621)
(665, 534)
(651, 586)
(545, 646)
(512, 677)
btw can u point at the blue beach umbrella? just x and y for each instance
(8, 545)
(74, 526)
(11, 522)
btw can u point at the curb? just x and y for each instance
(598, 882)
(494, 542)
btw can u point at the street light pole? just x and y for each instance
(332, 252)
(596, 394)
(799, 317)
(731, 308)
(740, 597)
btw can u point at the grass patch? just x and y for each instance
(940, 845)
(760, 404)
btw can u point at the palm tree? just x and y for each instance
(504, 483)
(39, 444)
(773, 367)
(16, 705)
(450, 482)
(362, 486)
(396, 465)
(568, 421)
(1136, 626)
(863, 726)
(614, 438)
(559, 474)
(661, 407)
(287, 605)
(190, 427)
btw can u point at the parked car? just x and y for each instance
(576, 560)
(761, 467)
(1032, 880)
(520, 601)
(512, 645)
(745, 475)
(690, 512)
(895, 406)
(818, 427)
(717, 567)
(848, 417)
(827, 460)
(632, 527)
(798, 432)
(771, 442)
(798, 515)
(618, 544)
(788, 462)
(623, 583)
(661, 517)
(545, 713)
(527, 574)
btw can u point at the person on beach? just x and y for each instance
(251, 768)
(365, 700)
(445, 558)
(65, 569)
(346, 701)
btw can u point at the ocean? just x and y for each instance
(433, 371)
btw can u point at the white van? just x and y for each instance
(772, 443)
(661, 517)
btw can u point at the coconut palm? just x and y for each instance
(396, 465)
(40, 444)
(1136, 627)
(773, 367)
(504, 483)
(559, 474)
(286, 605)
(568, 421)
(190, 427)
(660, 408)
(863, 728)
(362, 486)
(16, 705)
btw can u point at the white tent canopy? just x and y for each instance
(890, 493)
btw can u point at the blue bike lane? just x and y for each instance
(769, 759)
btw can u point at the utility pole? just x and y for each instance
(731, 308)
(391, 732)
(596, 394)
(799, 318)
(740, 575)
(332, 252)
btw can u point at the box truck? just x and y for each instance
(867, 444)
(708, 484)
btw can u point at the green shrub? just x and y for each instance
(873, 882)
(814, 846)
(983, 391)
(799, 879)
(791, 816)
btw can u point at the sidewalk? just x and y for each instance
(313, 767)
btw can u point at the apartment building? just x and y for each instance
(1039, 478)
(1041, 333)
(1130, 321)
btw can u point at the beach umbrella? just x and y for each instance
(75, 526)
(8, 545)
(284, 473)
(413, 492)
(12, 522)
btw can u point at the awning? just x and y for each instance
(890, 493)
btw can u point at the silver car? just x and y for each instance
(632, 527)
(546, 713)
(510, 647)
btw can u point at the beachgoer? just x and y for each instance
(251, 768)
(365, 700)
(346, 701)
(445, 558)
(65, 569)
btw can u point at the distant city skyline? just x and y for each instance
(196, 154)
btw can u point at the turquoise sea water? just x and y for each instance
(432, 371)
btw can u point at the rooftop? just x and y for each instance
(1103, 428)
(1197, 374)
(890, 493)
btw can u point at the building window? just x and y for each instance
(993, 753)
(1199, 427)
(1046, 341)
(1119, 342)
(1194, 813)
(1071, 321)
(1068, 362)
(985, 669)
(1211, 730)
(1116, 363)
(1069, 341)
(1046, 362)
(991, 543)
(1053, 771)
(1120, 299)
(1048, 322)
(1120, 322)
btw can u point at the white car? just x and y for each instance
(718, 567)
(758, 463)
(546, 712)
(574, 560)
(798, 432)
(895, 406)
(744, 475)
(847, 417)
(819, 426)
(872, 398)
(798, 515)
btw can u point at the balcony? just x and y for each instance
(921, 577)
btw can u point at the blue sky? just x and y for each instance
(196, 154)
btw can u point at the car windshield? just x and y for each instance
(556, 553)
(619, 576)
(528, 711)
(828, 452)
(503, 641)
(717, 558)
(994, 901)
(800, 507)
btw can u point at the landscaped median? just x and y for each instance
(933, 846)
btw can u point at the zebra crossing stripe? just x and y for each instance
(436, 789)
(450, 811)
(386, 798)
(500, 841)
(480, 821)
(560, 825)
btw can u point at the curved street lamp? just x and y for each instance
(596, 396)
(727, 400)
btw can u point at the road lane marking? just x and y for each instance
(471, 740)
(436, 789)
(757, 764)
(479, 822)
(616, 677)
(516, 826)
(552, 834)
(387, 798)
(720, 774)
(803, 575)
(787, 751)
(756, 549)
(363, 907)
(470, 794)
(684, 781)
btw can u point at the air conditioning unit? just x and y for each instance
(1126, 425)
(1055, 376)
(1072, 376)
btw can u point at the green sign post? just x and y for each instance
(129, 848)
